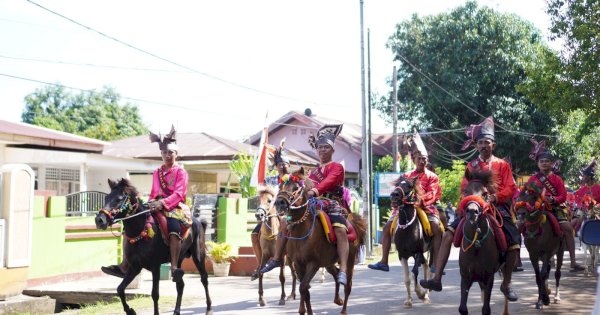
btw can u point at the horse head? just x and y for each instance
(121, 201)
(406, 191)
(479, 185)
(528, 202)
(266, 212)
(292, 192)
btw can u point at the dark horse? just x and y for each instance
(147, 248)
(267, 214)
(409, 238)
(307, 245)
(540, 239)
(479, 257)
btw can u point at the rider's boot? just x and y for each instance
(257, 252)
(342, 250)
(175, 248)
(277, 260)
(435, 284)
(570, 241)
(505, 287)
(386, 243)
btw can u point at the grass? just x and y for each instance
(139, 303)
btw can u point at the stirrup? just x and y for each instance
(379, 266)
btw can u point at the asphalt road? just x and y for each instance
(376, 292)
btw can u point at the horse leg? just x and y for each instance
(199, 258)
(132, 272)
(179, 285)
(292, 295)
(538, 279)
(333, 270)
(261, 300)
(422, 294)
(309, 273)
(155, 282)
(282, 281)
(486, 293)
(323, 275)
(465, 285)
(408, 301)
(348, 286)
(557, 274)
(301, 272)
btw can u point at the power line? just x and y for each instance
(176, 63)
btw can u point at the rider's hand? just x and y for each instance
(155, 205)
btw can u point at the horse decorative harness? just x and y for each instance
(130, 212)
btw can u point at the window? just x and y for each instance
(63, 181)
(303, 131)
(295, 131)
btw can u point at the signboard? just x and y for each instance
(384, 183)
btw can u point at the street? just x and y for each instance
(376, 292)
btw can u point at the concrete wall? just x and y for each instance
(97, 180)
(232, 222)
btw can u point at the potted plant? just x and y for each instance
(221, 258)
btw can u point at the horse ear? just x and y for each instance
(301, 172)
(111, 183)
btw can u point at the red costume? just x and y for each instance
(502, 174)
(430, 183)
(175, 179)
(583, 194)
(328, 178)
(555, 186)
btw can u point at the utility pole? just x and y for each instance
(395, 119)
(366, 178)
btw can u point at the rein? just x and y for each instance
(475, 241)
(310, 209)
(404, 226)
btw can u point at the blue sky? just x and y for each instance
(247, 57)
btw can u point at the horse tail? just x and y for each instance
(360, 226)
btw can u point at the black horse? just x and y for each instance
(409, 237)
(147, 247)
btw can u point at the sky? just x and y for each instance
(216, 66)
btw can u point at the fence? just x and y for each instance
(85, 203)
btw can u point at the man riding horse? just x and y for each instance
(282, 164)
(556, 193)
(168, 195)
(329, 185)
(589, 192)
(483, 137)
(430, 184)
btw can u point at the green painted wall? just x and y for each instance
(232, 222)
(53, 255)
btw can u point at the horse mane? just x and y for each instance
(485, 178)
(262, 189)
(127, 187)
(415, 183)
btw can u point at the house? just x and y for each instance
(205, 157)
(295, 127)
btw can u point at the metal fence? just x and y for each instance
(84, 203)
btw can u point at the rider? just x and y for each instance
(282, 164)
(483, 137)
(169, 187)
(432, 193)
(589, 192)
(556, 193)
(329, 180)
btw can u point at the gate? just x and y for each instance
(85, 203)
(205, 208)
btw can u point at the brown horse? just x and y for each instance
(409, 238)
(267, 214)
(479, 257)
(307, 245)
(540, 239)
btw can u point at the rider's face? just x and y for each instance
(283, 168)
(485, 147)
(325, 152)
(168, 156)
(420, 161)
(545, 165)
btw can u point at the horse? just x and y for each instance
(267, 214)
(542, 242)
(479, 257)
(591, 253)
(148, 248)
(307, 245)
(409, 238)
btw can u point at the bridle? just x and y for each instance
(124, 206)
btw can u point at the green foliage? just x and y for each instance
(450, 180)
(219, 252)
(577, 145)
(242, 167)
(91, 114)
(385, 164)
(478, 57)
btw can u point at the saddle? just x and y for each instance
(161, 219)
(553, 223)
(422, 215)
(499, 236)
(328, 228)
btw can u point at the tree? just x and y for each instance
(242, 167)
(450, 180)
(458, 67)
(91, 114)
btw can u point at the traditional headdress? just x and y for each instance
(325, 135)
(416, 145)
(168, 142)
(590, 170)
(278, 155)
(475, 132)
(539, 150)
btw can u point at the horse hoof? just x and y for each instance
(338, 301)
(408, 304)
(261, 303)
(282, 302)
(130, 312)
(556, 300)
(209, 312)
(291, 297)
(176, 313)
(426, 300)
(538, 306)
